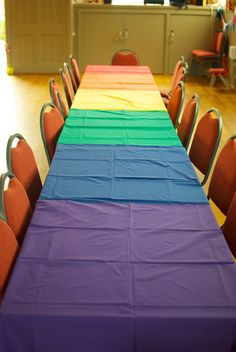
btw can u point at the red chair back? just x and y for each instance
(69, 93)
(75, 69)
(21, 162)
(229, 227)
(9, 249)
(125, 57)
(15, 205)
(57, 97)
(176, 102)
(51, 123)
(188, 120)
(223, 181)
(206, 141)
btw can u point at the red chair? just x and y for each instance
(219, 72)
(51, 123)
(176, 102)
(9, 250)
(176, 78)
(206, 142)
(229, 227)
(68, 90)
(21, 162)
(188, 120)
(71, 77)
(212, 56)
(57, 98)
(75, 69)
(223, 181)
(125, 57)
(14, 205)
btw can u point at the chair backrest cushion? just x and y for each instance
(175, 102)
(17, 208)
(8, 252)
(53, 123)
(125, 57)
(204, 141)
(223, 181)
(187, 121)
(229, 227)
(24, 167)
(54, 88)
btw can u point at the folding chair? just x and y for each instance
(71, 77)
(68, 90)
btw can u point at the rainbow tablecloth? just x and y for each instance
(123, 253)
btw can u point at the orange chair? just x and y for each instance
(206, 142)
(179, 74)
(14, 205)
(125, 57)
(188, 120)
(9, 250)
(220, 72)
(68, 90)
(176, 102)
(51, 123)
(212, 56)
(57, 98)
(75, 69)
(229, 227)
(21, 162)
(223, 181)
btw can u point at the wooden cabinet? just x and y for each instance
(158, 34)
(187, 33)
(99, 33)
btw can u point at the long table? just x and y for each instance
(123, 253)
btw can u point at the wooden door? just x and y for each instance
(38, 33)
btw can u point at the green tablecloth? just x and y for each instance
(151, 128)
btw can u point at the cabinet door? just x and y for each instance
(185, 34)
(100, 36)
(145, 34)
(38, 34)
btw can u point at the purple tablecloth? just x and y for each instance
(138, 277)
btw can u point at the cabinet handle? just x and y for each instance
(172, 35)
(120, 36)
(125, 35)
